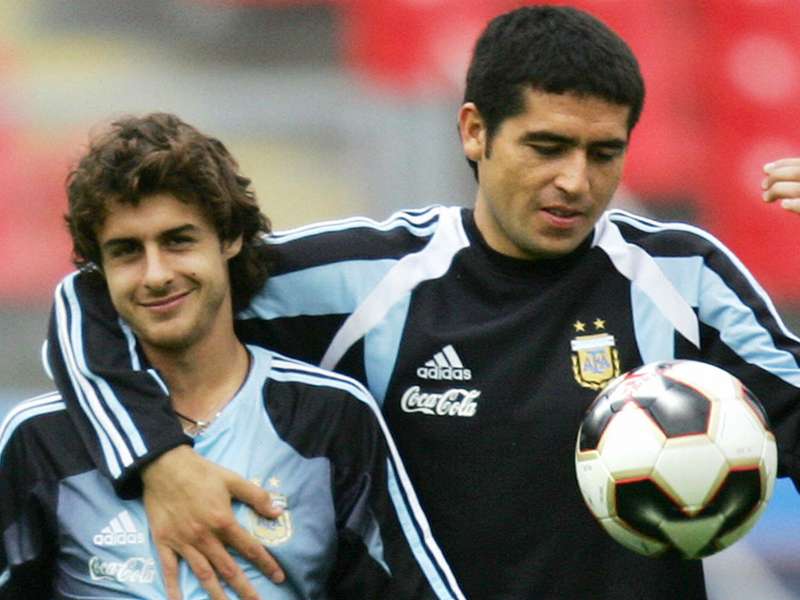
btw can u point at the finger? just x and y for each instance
(169, 571)
(253, 552)
(782, 163)
(782, 190)
(787, 170)
(783, 171)
(253, 495)
(792, 205)
(204, 573)
(227, 568)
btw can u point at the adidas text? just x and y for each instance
(444, 373)
(120, 538)
(120, 531)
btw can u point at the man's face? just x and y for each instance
(167, 271)
(547, 174)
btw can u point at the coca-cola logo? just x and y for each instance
(137, 569)
(456, 402)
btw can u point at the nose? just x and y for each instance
(158, 273)
(573, 174)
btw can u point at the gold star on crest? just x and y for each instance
(579, 326)
(599, 323)
(274, 482)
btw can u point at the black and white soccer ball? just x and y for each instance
(676, 458)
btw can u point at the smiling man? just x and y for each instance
(163, 223)
(486, 332)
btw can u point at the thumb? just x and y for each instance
(253, 495)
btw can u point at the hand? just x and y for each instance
(783, 182)
(188, 504)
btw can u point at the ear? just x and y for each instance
(472, 130)
(231, 248)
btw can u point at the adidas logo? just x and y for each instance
(120, 531)
(445, 365)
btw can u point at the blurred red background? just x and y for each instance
(722, 75)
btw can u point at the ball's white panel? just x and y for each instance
(769, 466)
(690, 469)
(739, 435)
(631, 443)
(596, 485)
(633, 540)
(758, 415)
(690, 537)
(730, 537)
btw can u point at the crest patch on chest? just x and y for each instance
(595, 358)
(271, 532)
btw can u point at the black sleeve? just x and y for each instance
(27, 547)
(111, 395)
(375, 558)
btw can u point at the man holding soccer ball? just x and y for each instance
(485, 333)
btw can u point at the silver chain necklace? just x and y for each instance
(196, 426)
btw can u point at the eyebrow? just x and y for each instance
(187, 228)
(555, 138)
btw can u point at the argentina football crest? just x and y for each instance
(595, 358)
(271, 532)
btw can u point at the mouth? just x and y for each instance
(166, 304)
(562, 216)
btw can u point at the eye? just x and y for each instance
(122, 250)
(605, 155)
(179, 241)
(548, 150)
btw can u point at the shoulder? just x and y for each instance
(300, 379)
(33, 417)
(39, 434)
(356, 238)
(694, 260)
(682, 243)
(305, 402)
(665, 238)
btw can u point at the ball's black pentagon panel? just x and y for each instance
(737, 498)
(595, 422)
(679, 409)
(642, 505)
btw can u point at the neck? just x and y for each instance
(203, 377)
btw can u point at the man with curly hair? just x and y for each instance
(163, 222)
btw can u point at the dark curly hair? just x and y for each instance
(159, 153)
(553, 49)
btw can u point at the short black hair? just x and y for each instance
(553, 49)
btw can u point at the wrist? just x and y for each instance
(167, 463)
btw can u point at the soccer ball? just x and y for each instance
(676, 458)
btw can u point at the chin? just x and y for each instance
(550, 252)
(169, 337)
(561, 247)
